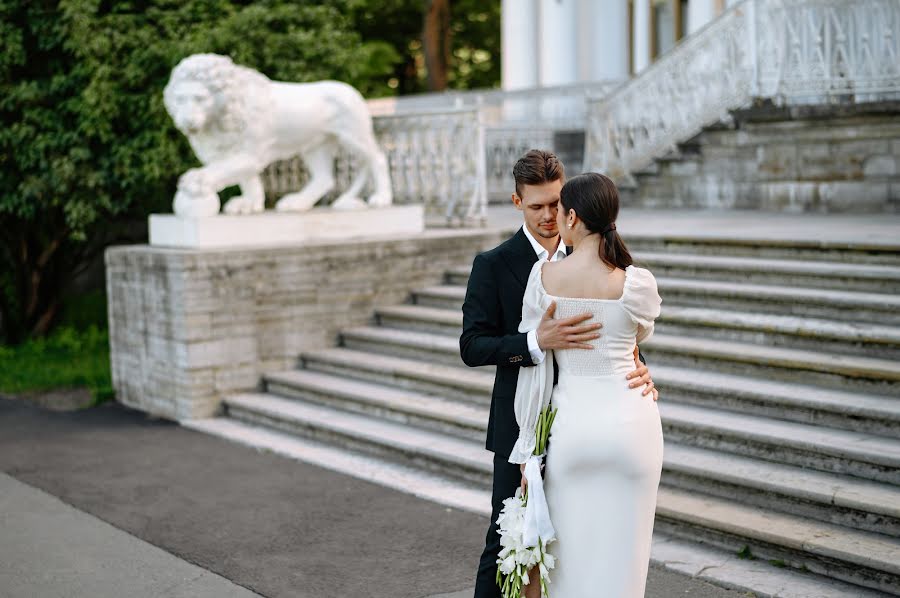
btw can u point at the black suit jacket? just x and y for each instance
(492, 312)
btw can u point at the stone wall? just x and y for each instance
(843, 158)
(187, 326)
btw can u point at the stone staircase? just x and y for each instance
(779, 372)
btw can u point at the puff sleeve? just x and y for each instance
(534, 384)
(641, 300)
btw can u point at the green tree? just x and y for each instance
(473, 38)
(86, 145)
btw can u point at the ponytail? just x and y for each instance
(595, 199)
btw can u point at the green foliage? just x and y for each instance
(474, 41)
(68, 358)
(745, 553)
(76, 354)
(85, 310)
(86, 143)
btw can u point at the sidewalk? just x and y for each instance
(52, 550)
(224, 516)
(867, 229)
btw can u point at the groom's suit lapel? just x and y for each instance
(520, 257)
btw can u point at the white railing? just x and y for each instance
(435, 158)
(514, 121)
(505, 145)
(560, 107)
(789, 51)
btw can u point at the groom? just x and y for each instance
(492, 312)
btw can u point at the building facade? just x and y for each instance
(560, 42)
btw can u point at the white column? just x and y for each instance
(519, 39)
(640, 35)
(603, 33)
(699, 13)
(558, 55)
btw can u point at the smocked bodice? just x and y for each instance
(613, 352)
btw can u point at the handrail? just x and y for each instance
(787, 51)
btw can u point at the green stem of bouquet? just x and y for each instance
(511, 585)
(542, 432)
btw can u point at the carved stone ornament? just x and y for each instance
(238, 121)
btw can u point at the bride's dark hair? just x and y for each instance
(595, 199)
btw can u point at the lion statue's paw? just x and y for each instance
(296, 202)
(348, 202)
(380, 200)
(242, 205)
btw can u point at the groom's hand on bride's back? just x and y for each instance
(567, 333)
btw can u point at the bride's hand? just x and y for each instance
(524, 483)
(641, 377)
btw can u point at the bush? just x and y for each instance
(86, 144)
(67, 358)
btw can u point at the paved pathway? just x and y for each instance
(227, 519)
(50, 549)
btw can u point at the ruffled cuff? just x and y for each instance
(523, 449)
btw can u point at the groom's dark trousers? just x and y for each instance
(492, 312)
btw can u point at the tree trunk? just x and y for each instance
(436, 43)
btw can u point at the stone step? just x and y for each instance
(458, 276)
(832, 305)
(448, 455)
(874, 458)
(802, 403)
(777, 249)
(421, 318)
(447, 296)
(411, 344)
(677, 554)
(818, 495)
(847, 306)
(857, 556)
(831, 498)
(829, 369)
(839, 276)
(867, 559)
(475, 498)
(876, 340)
(466, 384)
(844, 372)
(454, 418)
(849, 338)
(795, 401)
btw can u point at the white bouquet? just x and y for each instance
(525, 529)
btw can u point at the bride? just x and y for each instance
(606, 445)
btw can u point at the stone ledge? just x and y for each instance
(283, 228)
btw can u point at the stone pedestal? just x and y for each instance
(284, 228)
(188, 326)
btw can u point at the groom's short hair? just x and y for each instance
(537, 167)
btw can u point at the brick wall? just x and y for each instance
(188, 326)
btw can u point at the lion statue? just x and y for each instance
(238, 122)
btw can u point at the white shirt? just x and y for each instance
(537, 356)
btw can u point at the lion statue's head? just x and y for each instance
(216, 103)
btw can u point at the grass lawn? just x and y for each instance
(74, 355)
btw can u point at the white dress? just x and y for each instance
(606, 445)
